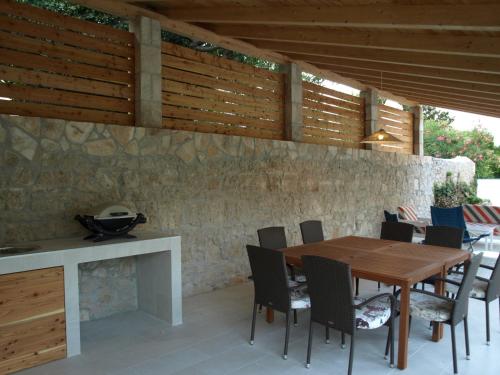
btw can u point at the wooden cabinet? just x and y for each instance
(32, 318)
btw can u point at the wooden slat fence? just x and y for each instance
(332, 117)
(207, 93)
(399, 123)
(56, 66)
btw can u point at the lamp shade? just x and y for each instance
(381, 136)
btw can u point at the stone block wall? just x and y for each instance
(213, 190)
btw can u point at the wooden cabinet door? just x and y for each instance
(32, 319)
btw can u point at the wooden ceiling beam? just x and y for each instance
(454, 106)
(412, 92)
(412, 87)
(414, 71)
(434, 42)
(471, 89)
(432, 60)
(441, 96)
(482, 17)
(451, 103)
(130, 11)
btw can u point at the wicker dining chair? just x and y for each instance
(329, 284)
(483, 289)
(452, 311)
(390, 217)
(396, 231)
(442, 236)
(272, 287)
(312, 231)
(274, 238)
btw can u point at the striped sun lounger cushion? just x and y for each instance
(407, 213)
(475, 213)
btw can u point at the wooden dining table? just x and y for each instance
(391, 262)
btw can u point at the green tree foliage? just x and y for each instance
(434, 114)
(81, 12)
(308, 77)
(78, 11)
(441, 140)
(218, 51)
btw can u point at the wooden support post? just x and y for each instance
(371, 113)
(294, 130)
(148, 103)
(418, 131)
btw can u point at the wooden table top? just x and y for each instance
(391, 262)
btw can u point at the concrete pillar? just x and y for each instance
(371, 113)
(148, 105)
(294, 130)
(418, 130)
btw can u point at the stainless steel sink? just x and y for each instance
(12, 250)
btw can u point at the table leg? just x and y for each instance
(404, 318)
(438, 329)
(269, 315)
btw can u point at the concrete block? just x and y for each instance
(293, 104)
(148, 99)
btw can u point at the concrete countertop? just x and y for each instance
(57, 252)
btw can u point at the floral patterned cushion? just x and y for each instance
(300, 298)
(293, 284)
(373, 315)
(478, 287)
(430, 307)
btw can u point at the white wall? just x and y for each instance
(489, 189)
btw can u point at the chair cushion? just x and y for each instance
(475, 213)
(430, 307)
(408, 213)
(294, 284)
(300, 298)
(373, 315)
(479, 287)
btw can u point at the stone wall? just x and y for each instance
(213, 190)
(461, 167)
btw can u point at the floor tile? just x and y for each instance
(214, 340)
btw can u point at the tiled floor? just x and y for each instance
(214, 340)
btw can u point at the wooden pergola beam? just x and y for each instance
(437, 42)
(450, 97)
(414, 71)
(394, 86)
(455, 106)
(426, 95)
(451, 104)
(468, 63)
(130, 11)
(482, 17)
(472, 89)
